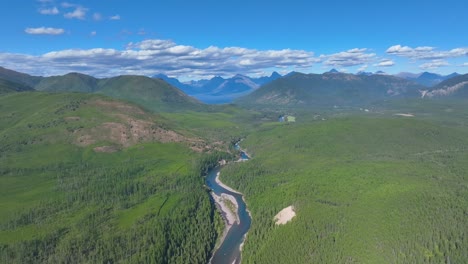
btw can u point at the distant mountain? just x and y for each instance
(408, 75)
(333, 71)
(187, 88)
(364, 73)
(218, 89)
(427, 79)
(263, 80)
(71, 82)
(328, 89)
(10, 87)
(455, 86)
(18, 77)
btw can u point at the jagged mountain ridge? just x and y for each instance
(332, 88)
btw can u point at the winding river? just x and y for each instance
(230, 249)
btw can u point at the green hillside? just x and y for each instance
(153, 94)
(71, 82)
(18, 77)
(87, 179)
(9, 87)
(326, 90)
(365, 190)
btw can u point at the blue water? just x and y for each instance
(229, 251)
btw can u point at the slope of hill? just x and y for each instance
(364, 190)
(9, 87)
(328, 89)
(455, 86)
(18, 77)
(71, 82)
(153, 94)
(219, 90)
(88, 179)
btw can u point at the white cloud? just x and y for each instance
(97, 16)
(464, 64)
(44, 31)
(116, 17)
(363, 68)
(49, 11)
(348, 58)
(78, 13)
(160, 56)
(385, 63)
(426, 52)
(93, 33)
(68, 5)
(434, 64)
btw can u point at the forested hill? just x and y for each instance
(365, 190)
(329, 89)
(153, 94)
(9, 87)
(88, 179)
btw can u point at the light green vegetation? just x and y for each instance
(365, 189)
(290, 118)
(63, 202)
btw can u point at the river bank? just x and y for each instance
(231, 204)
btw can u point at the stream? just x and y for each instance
(230, 249)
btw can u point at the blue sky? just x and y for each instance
(200, 39)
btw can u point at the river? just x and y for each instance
(230, 249)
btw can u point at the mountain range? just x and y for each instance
(426, 78)
(152, 93)
(331, 88)
(220, 90)
(295, 89)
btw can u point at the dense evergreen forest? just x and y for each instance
(89, 179)
(63, 202)
(365, 190)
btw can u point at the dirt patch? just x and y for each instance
(118, 107)
(106, 149)
(285, 215)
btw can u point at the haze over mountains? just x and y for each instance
(218, 89)
(426, 78)
(296, 89)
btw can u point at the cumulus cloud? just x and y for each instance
(363, 68)
(385, 63)
(426, 52)
(160, 56)
(434, 64)
(49, 11)
(78, 13)
(116, 17)
(348, 58)
(44, 31)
